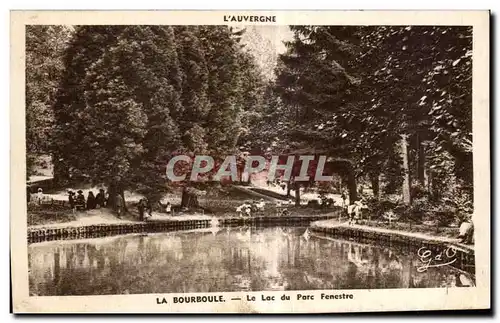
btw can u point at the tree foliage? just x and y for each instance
(354, 90)
(45, 46)
(135, 96)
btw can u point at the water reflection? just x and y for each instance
(226, 259)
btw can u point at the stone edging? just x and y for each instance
(465, 254)
(101, 230)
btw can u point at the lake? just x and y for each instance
(225, 259)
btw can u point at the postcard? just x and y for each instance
(249, 161)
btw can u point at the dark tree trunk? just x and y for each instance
(374, 179)
(297, 194)
(112, 191)
(351, 185)
(61, 173)
(288, 189)
(115, 189)
(434, 190)
(188, 199)
(122, 193)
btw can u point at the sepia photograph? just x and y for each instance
(252, 161)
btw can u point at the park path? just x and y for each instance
(270, 193)
(248, 190)
(105, 216)
(91, 217)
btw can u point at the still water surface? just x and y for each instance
(223, 259)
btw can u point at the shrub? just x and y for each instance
(378, 207)
(313, 203)
(418, 192)
(464, 206)
(418, 209)
(444, 214)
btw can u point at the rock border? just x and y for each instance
(109, 229)
(464, 253)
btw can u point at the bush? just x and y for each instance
(414, 213)
(418, 192)
(464, 206)
(378, 207)
(444, 215)
(418, 209)
(313, 203)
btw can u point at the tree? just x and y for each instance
(122, 84)
(357, 89)
(427, 74)
(85, 48)
(45, 45)
(221, 53)
(194, 96)
(317, 88)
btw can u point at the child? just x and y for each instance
(39, 195)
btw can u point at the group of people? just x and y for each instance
(250, 207)
(102, 199)
(38, 198)
(354, 212)
(78, 201)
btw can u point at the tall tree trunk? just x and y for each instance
(112, 191)
(61, 173)
(297, 194)
(288, 189)
(351, 185)
(188, 199)
(406, 170)
(122, 193)
(185, 198)
(115, 189)
(374, 179)
(421, 161)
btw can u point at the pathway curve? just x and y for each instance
(104, 216)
